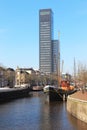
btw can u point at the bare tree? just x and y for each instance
(82, 74)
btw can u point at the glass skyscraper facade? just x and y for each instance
(46, 47)
(55, 56)
(45, 40)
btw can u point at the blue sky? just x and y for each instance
(19, 31)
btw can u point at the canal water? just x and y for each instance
(33, 113)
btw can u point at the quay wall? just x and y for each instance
(78, 108)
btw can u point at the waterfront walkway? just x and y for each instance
(77, 105)
(82, 95)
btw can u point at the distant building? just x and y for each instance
(10, 75)
(7, 77)
(49, 55)
(3, 81)
(56, 56)
(45, 40)
(28, 70)
(21, 77)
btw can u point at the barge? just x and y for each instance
(7, 94)
(54, 93)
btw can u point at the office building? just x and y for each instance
(48, 48)
(45, 40)
(55, 50)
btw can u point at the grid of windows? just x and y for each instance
(55, 50)
(48, 48)
(45, 42)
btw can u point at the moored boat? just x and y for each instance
(36, 88)
(7, 94)
(52, 93)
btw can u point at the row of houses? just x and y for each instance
(10, 77)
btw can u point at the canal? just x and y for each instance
(33, 113)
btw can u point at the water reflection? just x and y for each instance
(33, 113)
(77, 124)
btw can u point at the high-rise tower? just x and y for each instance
(45, 40)
(55, 55)
(49, 52)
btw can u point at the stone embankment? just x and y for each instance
(77, 105)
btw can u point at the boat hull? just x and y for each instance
(36, 88)
(53, 94)
(56, 94)
(13, 93)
